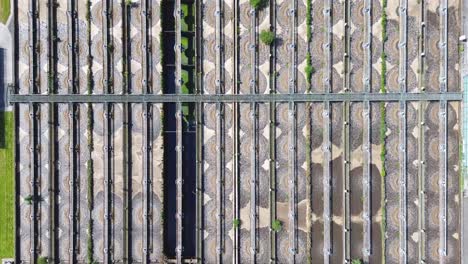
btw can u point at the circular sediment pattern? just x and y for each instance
(433, 216)
(432, 116)
(210, 213)
(358, 14)
(156, 85)
(116, 13)
(356, 117)
(157, 209)
(282, 148)
(432, 44)
(282, 80)
(433, 250)
(283, 245)
(117, 118)
(137, 212)
(393, 250)
(210, 49)
(23, 47)
(245, 118)
(282, 15)
(96, 15)
(210, 116)
(98, 78)
(263, 52)
(245, 14)
(433, 148)
(117, 84)
(393, 214)
(453, 148)
(209, 84)
(137, 250)
(376, 50)
(282, 183)
(210, 251)
(135, 17)
(83, 43)
(136, 51)
(392, 80)
(97, 48)
(451, 116)
(42, 43)
(211, 151)
(209, 13)
(136, 81)
(157, 122)
(337, 49)
(391, 47)
(411, 149)
(246, 146)
(394, 181)
(302, 13)
(245, 47)
(98, 125)
(357, 76)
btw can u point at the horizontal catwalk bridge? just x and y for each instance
(227, 98)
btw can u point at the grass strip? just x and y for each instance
(7, 186)
(4, 10)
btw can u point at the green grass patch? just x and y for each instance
(187, 51)
(4, 10)
(309, 70)
(267, 37)
(7, 186)
(276, 225)
(236, 223)
(185, 81)
(188, 17)
(42, 260)
(259, 4)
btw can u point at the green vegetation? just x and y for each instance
(259, 4)
(276, 225)
(267, 37)
(7, 186)
(356, 261)
(90, 127)
(4, 10)
(236, 223)
(309, 19)
(383, 22)
(383, 128)
(42, 260)
(188, 17)
(28, 199)
(187, 88)
(187, 50)
(309, 69)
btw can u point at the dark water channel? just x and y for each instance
(188, 142)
